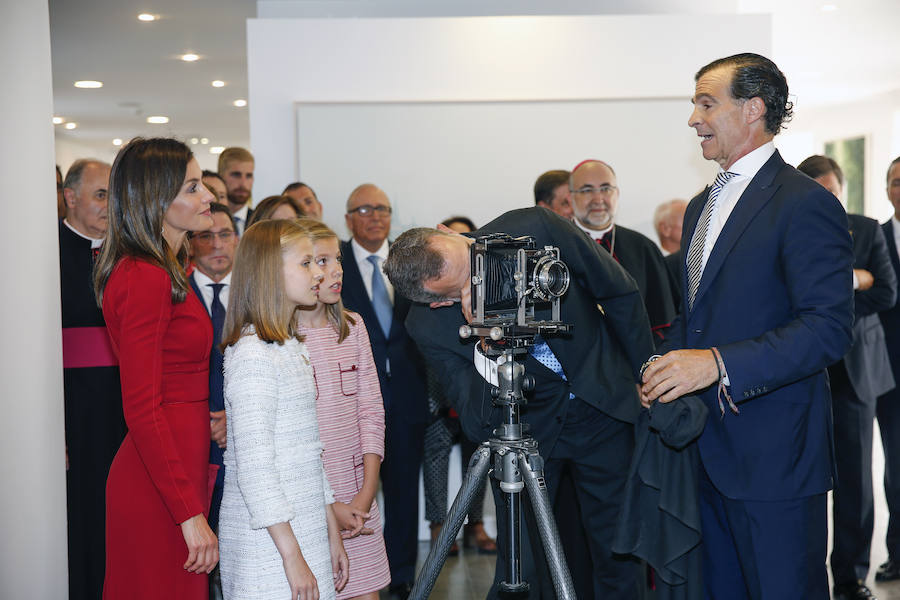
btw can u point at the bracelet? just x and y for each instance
(649, 362)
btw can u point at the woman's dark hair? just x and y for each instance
(267, 207)
(464, 220)
(144, 180)
(818, 165)
(757, 76)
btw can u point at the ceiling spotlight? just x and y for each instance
(146, 17)
(58, 120)
(190, 57)
(204, 140)
(240, 103)
(216, 149)
(158, 119)
(89, 84)
(117, 141)
(829, 7)
(71, 125)
(194, 140)
(218, 83)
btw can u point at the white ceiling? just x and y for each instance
(828, 56)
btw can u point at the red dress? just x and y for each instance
(159, 477)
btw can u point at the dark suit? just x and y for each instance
(888, 408)
(673, 266)
(776, 299)
(856, 382)
(405, 414)
(216, 403)
(591, 433)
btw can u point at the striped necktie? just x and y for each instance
(698, 242)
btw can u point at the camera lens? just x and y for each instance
(551, 278)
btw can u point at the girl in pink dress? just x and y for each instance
(351, 417)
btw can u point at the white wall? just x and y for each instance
(32, 447)
(483, 59)
(877, 118)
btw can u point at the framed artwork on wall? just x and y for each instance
(850, 154)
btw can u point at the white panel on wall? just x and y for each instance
(480, 159)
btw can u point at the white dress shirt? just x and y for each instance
(240, 218)
(745, 169)
(205, 285)
(365, 267)
(896, 226)
(95, 243)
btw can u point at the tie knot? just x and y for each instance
(374, 258)
(217, 288)
(723, 178)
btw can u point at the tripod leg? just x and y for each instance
(532, 467)
(478, 468)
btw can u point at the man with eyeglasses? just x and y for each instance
(95, 425)
(595, 198)
(212, 253)
(401, 373)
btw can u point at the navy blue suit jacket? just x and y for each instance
(776, 298)
(890, 318)
(403, 390)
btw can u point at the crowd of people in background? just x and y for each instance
(233, 367)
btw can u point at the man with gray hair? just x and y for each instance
(95, 425)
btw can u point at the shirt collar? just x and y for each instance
(361, 254)
(750, 164)
(202, 280)
(241, 213)
(595, 234)
(95, 242)
(896, 224)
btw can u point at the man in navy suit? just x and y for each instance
(401, 373)
(768, 305)
(888, 407)
(212, 253)
(857, 381)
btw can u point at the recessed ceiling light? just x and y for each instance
(58, 120)
(117, 141)
(146, 17)
(240, 103)
(218, 83)
(158, 119)
(89, 84)
(71, 125)
(216, 149)
(204, 140)
(194, 140)
(190, 57)
(829, 7)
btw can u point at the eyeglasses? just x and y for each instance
(207, 237)
(367, 210)
(588, 190)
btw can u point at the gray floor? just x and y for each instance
(469, 575)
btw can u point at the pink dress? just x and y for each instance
(351, 424)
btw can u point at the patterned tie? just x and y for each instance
(381, 301)
(698, 242)
(543, 354)
(216, 377)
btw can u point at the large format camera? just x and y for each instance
(510, 276)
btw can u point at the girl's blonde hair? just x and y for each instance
(257, 294)
(338, 316)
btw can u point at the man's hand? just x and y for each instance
(217, 428)
(678, 373)
(864, 279)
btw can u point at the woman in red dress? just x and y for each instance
(158, 542)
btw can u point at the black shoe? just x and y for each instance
(400, 591)
(889, 571)
(855, 590)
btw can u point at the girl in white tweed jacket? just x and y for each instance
(278, 537)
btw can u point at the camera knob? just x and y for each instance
(528, 383)
(465, 331)
(496, 334)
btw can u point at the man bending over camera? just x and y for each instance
(585, 400)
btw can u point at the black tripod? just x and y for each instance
(516, 465)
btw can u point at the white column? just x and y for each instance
(32, 454)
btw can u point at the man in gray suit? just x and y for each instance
(856, 382)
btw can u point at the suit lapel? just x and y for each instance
(755, 197)
(892, 245)
(358, 299)
(197, 291)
